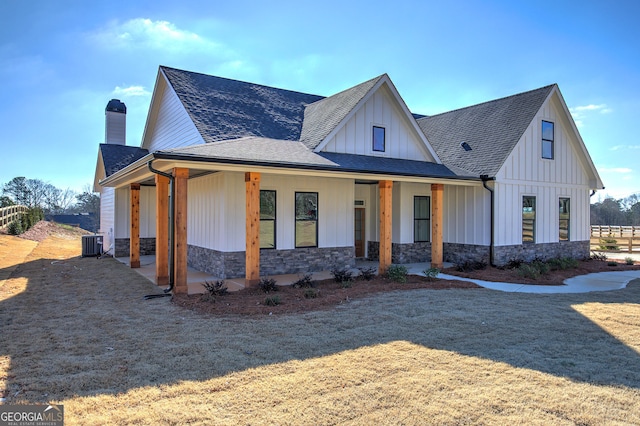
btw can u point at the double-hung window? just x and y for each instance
(267, 219)
(547, 139)
(528, 219)
(421, 219)
(565, 219)
(306, 219)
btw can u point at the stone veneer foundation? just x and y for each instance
(272, 262)
(147, 247)
(460, 253)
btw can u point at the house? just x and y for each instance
(243, 180)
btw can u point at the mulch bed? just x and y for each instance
(329, 294)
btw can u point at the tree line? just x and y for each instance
(622, 212)
(37, 194)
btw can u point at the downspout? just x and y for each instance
(485, 179)
(172, 259)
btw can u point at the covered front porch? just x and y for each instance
(196, 279)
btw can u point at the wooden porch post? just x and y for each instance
(162, 230)
(134, 232)
(437, 192)
(386, 187)
(252, 258)
(181, 177)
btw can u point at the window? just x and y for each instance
(564, 219)
(378, 138)
(528, 219)
(421, 219)
(547, 139)
(268, 219)
(306, 219)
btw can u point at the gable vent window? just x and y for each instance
(465, 146)
(378, 138)
(547, 139)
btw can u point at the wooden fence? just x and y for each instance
(615, 238)
(11, 213)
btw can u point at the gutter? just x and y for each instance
(172, 258)
(485, 179)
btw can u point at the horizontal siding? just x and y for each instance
(355, 136)
(171, 126)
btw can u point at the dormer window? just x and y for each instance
(547, 139)
(378, 138)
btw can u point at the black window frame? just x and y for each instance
(546, 141)
(527, 220)
(384, 139)
(421, 220)
(274, 220)
(566, 211)
(296, 219)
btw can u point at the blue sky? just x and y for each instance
(62, 61)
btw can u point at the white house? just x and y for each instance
(249, 180)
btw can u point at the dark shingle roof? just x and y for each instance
(491, 129)
(224, 109)
(115, 157)
(321, 117)
(281, 153)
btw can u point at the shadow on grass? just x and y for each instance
(81, 327)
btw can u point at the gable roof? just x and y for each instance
(492, 129)
(115, 157)
(224, 109)
(321, 117)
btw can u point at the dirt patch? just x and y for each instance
(43, 229)
(322, 295)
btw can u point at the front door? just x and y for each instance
(359, 232)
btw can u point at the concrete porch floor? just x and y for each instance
(196, 279)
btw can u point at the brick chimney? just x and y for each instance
(116, 123)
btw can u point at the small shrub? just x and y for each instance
(397, 273)
(528, 271)
(310, 293)
(15, 227)
(272, 301)
(367, 274)
(542, 267)
(598, 256)
(610, 244)
(341, 274)
(611, 263)
(347, 283)
(514, 264)
(215, 289)
(431, 273)
(305, 281)
(628, 260)
(563, 263)
(267, 285)
(470, 265)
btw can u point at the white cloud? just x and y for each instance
(141, 33)
(591, 107)
(620, 147)
(580, 113)
(131, 91)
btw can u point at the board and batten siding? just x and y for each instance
(467, 215)
(526, 173)
(216, 210)
(107, 203)
(147, 212)
(355, 136)
(170, 125)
